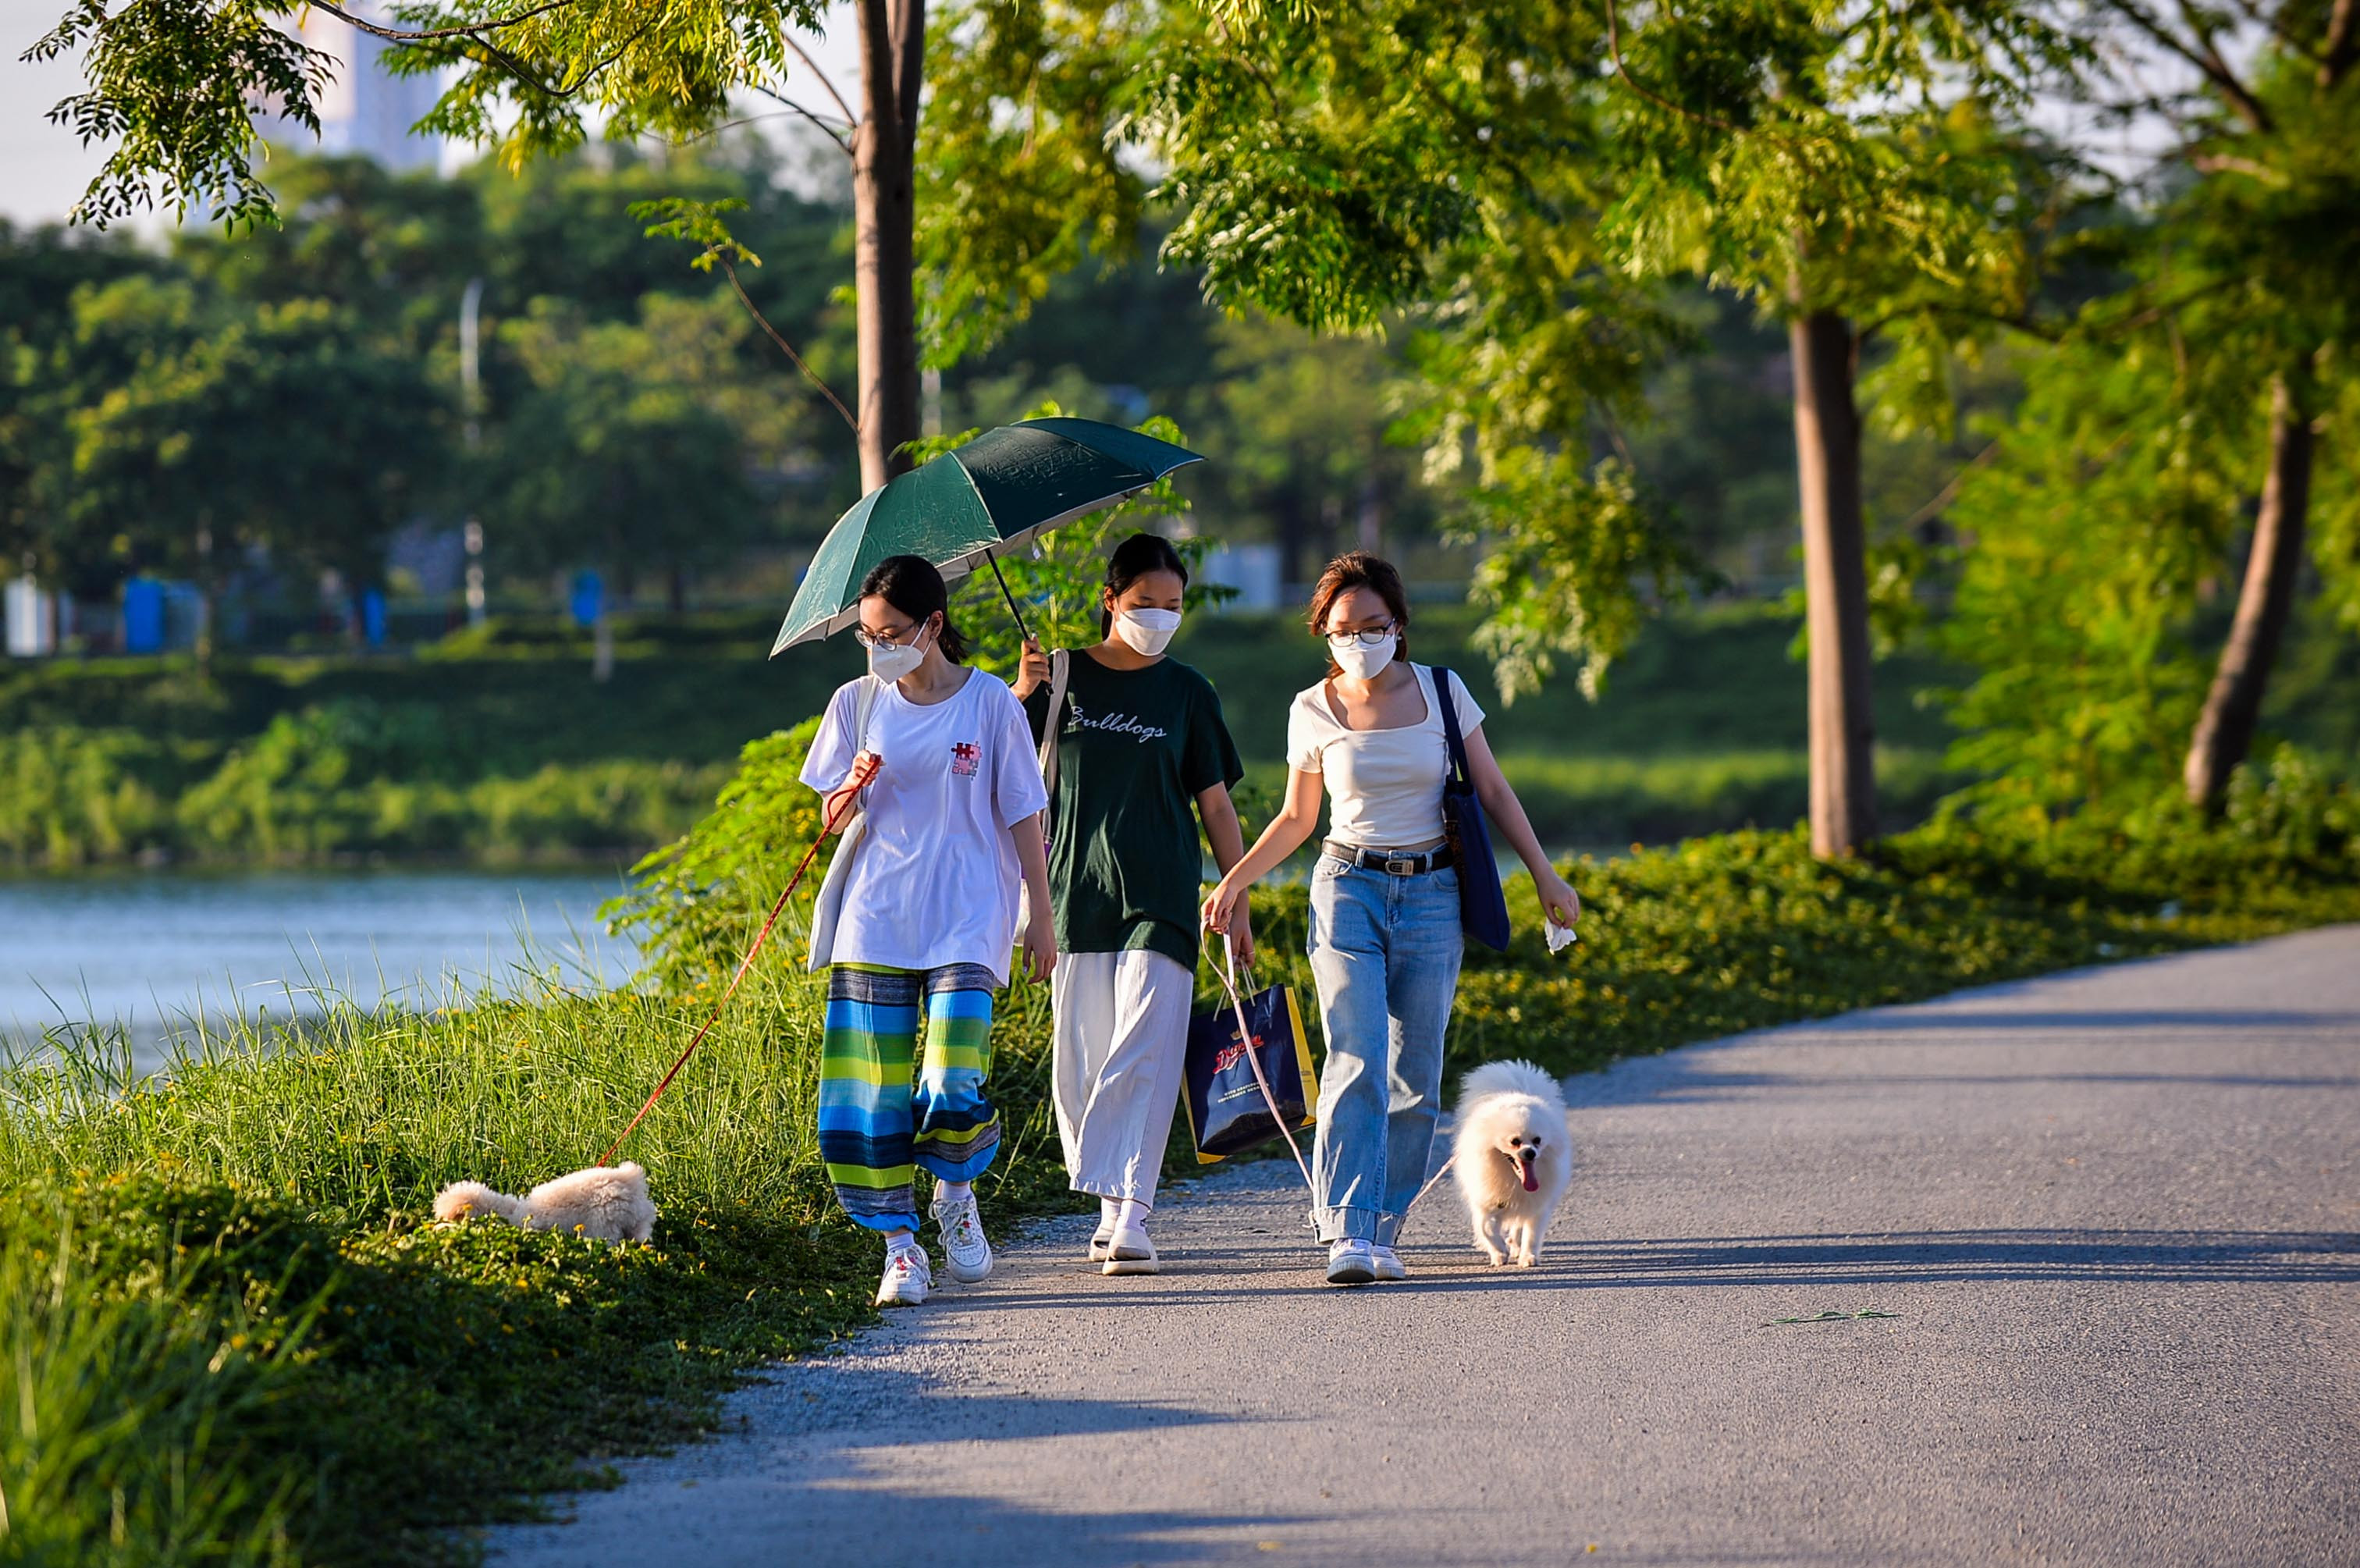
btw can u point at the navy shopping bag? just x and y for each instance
(1227, 1111)
(1482, 902)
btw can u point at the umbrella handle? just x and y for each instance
(1022, 634)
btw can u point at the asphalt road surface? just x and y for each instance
(2113, 1217)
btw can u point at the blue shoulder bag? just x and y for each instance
(1483, 902)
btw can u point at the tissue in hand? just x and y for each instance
(1560, 936)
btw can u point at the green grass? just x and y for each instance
(250, 1347)
(300, 1165)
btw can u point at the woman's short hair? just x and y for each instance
(911, 584)
(1133, 559)
(1359, 569)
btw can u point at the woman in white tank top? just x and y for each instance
(1385, 933)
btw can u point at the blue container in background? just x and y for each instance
(143, 616)
(373, 617)
(589, 598)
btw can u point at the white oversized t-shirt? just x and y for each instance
(1384, 786)
(935, 879)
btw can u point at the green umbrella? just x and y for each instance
(974, 504)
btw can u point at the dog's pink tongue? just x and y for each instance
(1530, 1185)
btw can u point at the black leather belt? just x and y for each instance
(1394, 862)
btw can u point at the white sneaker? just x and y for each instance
(907, 1275)
(1350, 1262)
(1103, 1237)
(1130, 1251)
(1389, 1265)
(965, 1252)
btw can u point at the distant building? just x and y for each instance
(367, 109)
(32, 617)
(1252, 569)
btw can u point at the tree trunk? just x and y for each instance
(204, 638)
(1371, 529)
(2225, 731)
(884, 222)
(1293, 535)
(676, 591)
(1835, 584)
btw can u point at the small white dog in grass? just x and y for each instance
(1512, 1156)
(607, 1203)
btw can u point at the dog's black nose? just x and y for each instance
(1529, 1153)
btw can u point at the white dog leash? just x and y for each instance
(1434, 1181)
(1269, 1098)
(1245, 1037)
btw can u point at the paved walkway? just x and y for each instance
(2115, 1213)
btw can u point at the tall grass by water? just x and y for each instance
(299, 1159)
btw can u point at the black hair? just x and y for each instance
(1133, 559)
(911, 584)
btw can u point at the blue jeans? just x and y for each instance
(1384, 952)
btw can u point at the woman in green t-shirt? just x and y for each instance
(1139, 743)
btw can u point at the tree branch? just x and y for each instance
(2342, 44)
(2273, 23)
(2229, 163)
(1949, 492)
(2167, 309)
(809, 374)
(777, 97)
(812, 66)
(410, 36)
(1614, 49)
(472, 37)
(2202, 26)
(2249, 108)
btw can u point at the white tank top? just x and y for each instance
(1384, 786)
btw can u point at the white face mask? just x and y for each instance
(1147, 630)
(1364, 663)
(891, 661)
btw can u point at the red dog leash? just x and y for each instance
(743, 965)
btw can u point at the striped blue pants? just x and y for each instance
(886, 1107)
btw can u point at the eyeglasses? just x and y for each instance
(868, 639)
(1376, 639)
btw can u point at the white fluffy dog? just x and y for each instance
(607, 1203)
(1513, 1157)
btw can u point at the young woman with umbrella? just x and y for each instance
(937, 759)
(1142, 755)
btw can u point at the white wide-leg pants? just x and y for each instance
(1120, 1023)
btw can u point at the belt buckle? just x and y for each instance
(1401, 865)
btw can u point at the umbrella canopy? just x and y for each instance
(971, 504)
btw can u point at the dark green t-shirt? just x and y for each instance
(1134, 749)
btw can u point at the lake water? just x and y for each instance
(149, 948)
